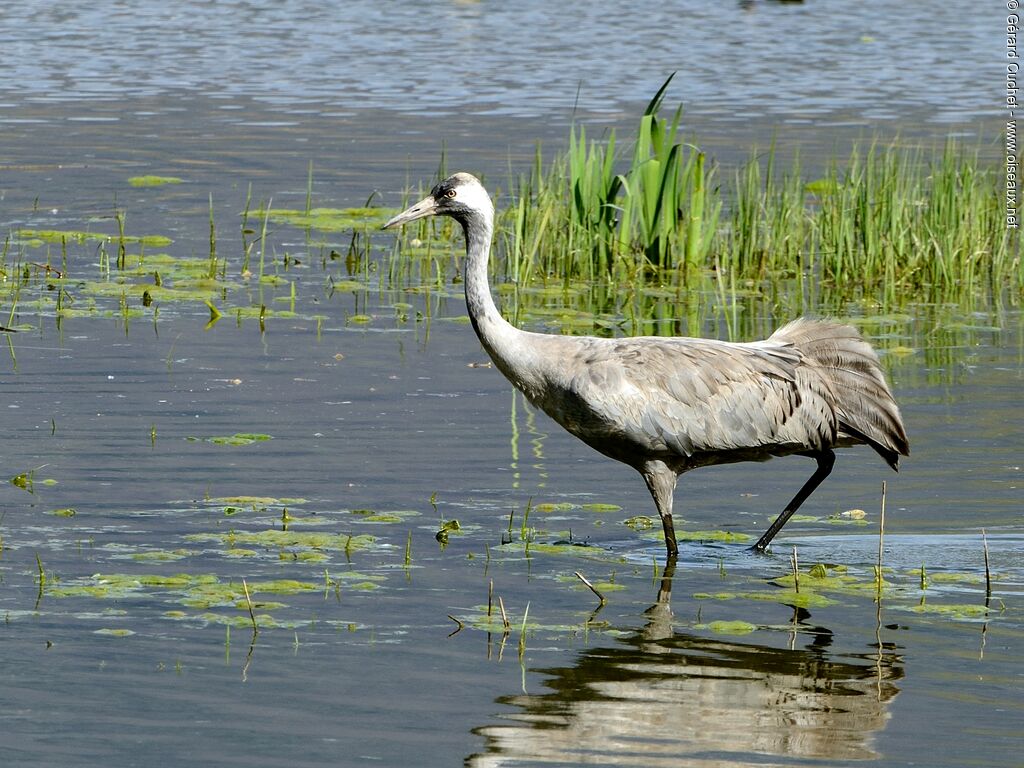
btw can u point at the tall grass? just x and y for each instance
(900, 220)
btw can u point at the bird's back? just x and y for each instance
(690, 402)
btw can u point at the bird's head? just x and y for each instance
(460, 196)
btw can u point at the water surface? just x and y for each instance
(383, 426)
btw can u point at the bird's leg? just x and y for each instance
(665, 590)
(825, 461)
(661, 482)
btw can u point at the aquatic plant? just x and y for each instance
(896, 221)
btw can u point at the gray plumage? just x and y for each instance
(665, 406)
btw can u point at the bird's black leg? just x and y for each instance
(672, 548)
(825, 461)
(661, 482)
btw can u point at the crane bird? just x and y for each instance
(666, 405)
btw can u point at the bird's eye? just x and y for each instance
(450, 193)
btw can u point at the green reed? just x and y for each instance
(905, 221)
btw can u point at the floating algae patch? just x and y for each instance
(639, 522)
(959, 611)
(728, 627)
(599, 507)
(118, 585)
(565, 506)
(729, 537)
(822, 578)
(273, 538)
(328, 219)
(27, 481)
(241, 438)
(548, 506)
(262, 313)
(113, 632)
(562, 547)
(801, 599)
(217, 594)
(600, 586)
(244, 621)
(391, 516)
(799, 518)
(943, 577)
(238, 552)
(494, 622)
(147, 293)
(258, 501)
(63, 512)
(306, 556)
(38, 237)
(101, 591)
(153, 181)
(159, 555)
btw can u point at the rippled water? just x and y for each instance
(736, 60)
(382, 425)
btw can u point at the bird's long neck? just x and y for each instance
(500, 338)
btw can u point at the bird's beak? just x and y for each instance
(425, 207)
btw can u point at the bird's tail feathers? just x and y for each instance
(850, 368)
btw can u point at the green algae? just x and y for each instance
(328, 219)
(161, 555)
(599, 507)
(153, 181)
(308, 556)
(282, 586)
(38, 237)
(63, 512)
(942, 577)
(391, 516)
(609, 585)
(259, 501)
(639, 522)
(241, 438)
(183, 291)
(548, 506)
(960, 611)
(274, 538)
(92, 590)
(799, 518)
(212, 594)
(207, 591)
(494, 623)
(823, 578)
(244, 621)
(559, 547)
(728, 627)
(114, 632)
(729, 537)
(801, 599)
(174, 581)
(238, 552)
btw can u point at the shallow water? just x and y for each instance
(382, 426)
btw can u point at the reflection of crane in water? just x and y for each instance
(668, 698)
(668, 405)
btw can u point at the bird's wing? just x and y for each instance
(691, 396)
